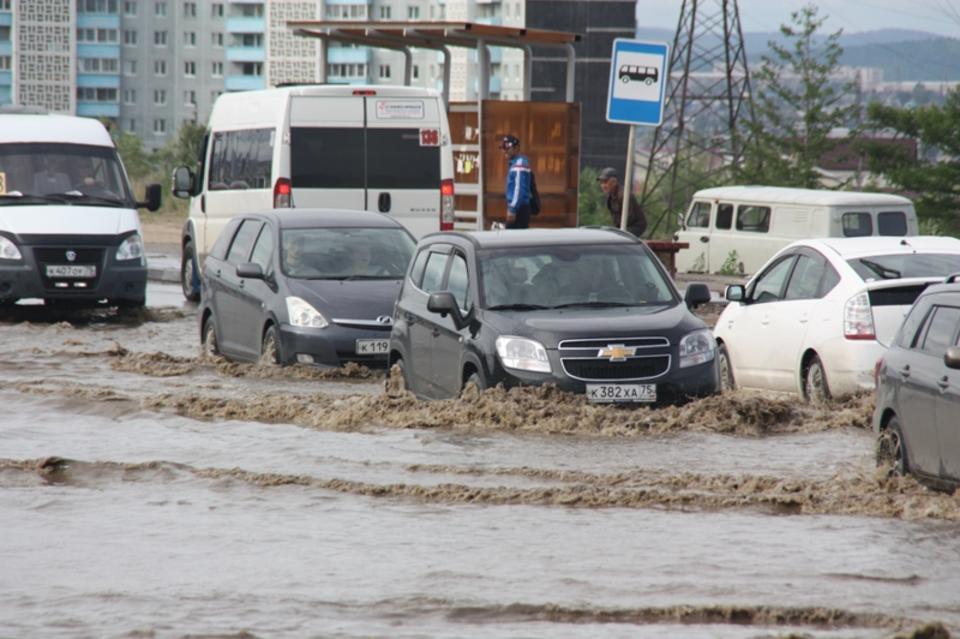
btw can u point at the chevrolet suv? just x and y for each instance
(592, 311)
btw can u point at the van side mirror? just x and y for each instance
(680, 224)
(697, 294)
(183, 182)
(443, 303)
(250, 271)
(952, 358)
(151, 197)
(734, 293)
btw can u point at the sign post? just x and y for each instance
(638, 81)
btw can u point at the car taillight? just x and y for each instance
(446, 205)
(858, 318)
(281, 194)
(876, 372)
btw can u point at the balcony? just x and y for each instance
(246, 54)
(6, 79)
(348, 55)
(358, 79)
(5, 94)
(246, 25)
(99, 80)
(495, 21)
(98, 109)
(244, 82)
(6, 48)
(6, 18)
(98, 51)
(98, 21)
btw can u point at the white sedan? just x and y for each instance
(818, 315)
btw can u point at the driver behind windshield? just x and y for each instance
(49, 178)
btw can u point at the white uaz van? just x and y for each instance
(757, 221)
(374, 148)
(69, 229)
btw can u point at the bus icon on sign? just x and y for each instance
(647, 75)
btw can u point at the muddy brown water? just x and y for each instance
(148, 492)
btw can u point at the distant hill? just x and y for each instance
(903, 54)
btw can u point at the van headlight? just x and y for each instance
(523, 354)
(304, 315)
(131, 248)
(9, 250)
(697, 347)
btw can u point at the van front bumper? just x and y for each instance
(114, 284)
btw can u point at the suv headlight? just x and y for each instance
(697, 347)
(523, 354)
(131, 248)
(9, 250)
(302, 314)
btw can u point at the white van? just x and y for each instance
(757, 221)
(69, 229)
(374, 148)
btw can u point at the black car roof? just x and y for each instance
(535, 237)
(320, 218)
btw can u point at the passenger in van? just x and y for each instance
(518, 184)
(609, 181)
(49, 179)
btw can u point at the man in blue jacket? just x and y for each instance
(518, 184)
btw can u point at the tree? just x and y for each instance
(797, 105)
(138, 163)
(591, 207)
(933, 177)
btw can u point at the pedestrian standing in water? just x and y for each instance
(610, 184)
(518, 184)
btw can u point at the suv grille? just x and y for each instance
(644, 358)
(602, 369)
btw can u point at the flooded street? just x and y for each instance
(148, 492)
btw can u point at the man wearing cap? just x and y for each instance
(610, 184)
(518, 184)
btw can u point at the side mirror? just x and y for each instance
(680, 224)
(734, 293)
(443, 303)
(183, 180)
(952, 358)
(151, 197)
(250, 270)
(697, 294)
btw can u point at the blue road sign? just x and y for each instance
(638, 81)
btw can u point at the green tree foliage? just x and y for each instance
(139, 163)
(591, 207)
(932, 179)
(797, 105)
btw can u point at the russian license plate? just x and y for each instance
(608, 393)
(71, 270)
(373, 346)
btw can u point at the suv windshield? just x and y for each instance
(892, 267)
(56, 173)
(346, 253)
(570, 276)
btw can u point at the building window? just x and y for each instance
(160, 126)
(132, 125)
(216, 39)
(385, 13)
(217, 70)
(160, 9)
(97, 65)
(190, 98)
(159, 97)
(93, 94)
(130, 38)
(384, 70)
(109, 36)
(129, 67)
(129, 96)
(189, 9)
(413, 13)
(248, 40)
(251, 68)
(130, 8)
(4, 63)
(251, 10)
(347, 70)
(190, 38)
(160, 38)
(190, 69)
(216, 10)
(159, 67)
(90, 6)
(416, 72)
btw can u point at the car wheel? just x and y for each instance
(189, 273)
(891, 449)
(815, 383)
(727, 382)
(477, 380)
(209, 340)
(270, 352)
(625, 78)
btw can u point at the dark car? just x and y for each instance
(307, 286)
(917, 414)
(590, 310)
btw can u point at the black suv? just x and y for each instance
(917, 416)
(590, 310)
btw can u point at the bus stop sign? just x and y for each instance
(638, 80)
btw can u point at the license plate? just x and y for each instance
(608, 393)
(373, 346)
(71, 270)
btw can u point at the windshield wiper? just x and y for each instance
(881, 270)
(595, 304)
(518, 307)
(94, 199)
(19, 197)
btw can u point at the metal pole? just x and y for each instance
(446, 76)
(627, 181)
(527, 71)
(571, 71)
(483, 64)
(324, 49)
(407, 66)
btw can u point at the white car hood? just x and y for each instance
(68, 220)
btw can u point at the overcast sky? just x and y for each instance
(936, 16)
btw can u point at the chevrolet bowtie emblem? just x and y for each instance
(617, 352)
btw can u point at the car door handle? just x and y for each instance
(409, 318)
(436, 332)
(905, 371)
(218, 272)
(704, 239)
(943, 382)
(803, 318)
(765, 319)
